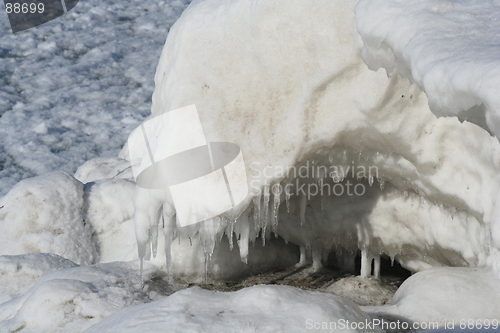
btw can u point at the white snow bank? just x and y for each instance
(446, 295)
(451, 49)
(44, 214)
(292, 94)
(19, 273)
(255, 309)
(70, 299)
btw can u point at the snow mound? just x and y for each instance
(255, 309)
(44, 214)
(70, 299)
(19, 273)
(446, 295)
(449, 48)
(302, 97)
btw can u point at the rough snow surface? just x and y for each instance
(73, 89)
(254, 309)
(451, 49)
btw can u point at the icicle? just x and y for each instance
(302, 260)
(376, 267)
(405, 194)
(207, 264)
(266, 205)
(370, 180)
(244, 236)
(303, 204)
(317, 256)
(344, 155)
(207, 235)
(141, 272)
(287, 199)
(366, 265)
(230, 235)
(153, 231)
(266, 214)
(169, 233)
(382, 184)
(276, 206)
(256, 212)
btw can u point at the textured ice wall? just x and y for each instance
(289, 93)
(450, 49)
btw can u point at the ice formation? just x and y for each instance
(286, 81)
(310, 116)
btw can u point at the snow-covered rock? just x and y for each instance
(448, 295)
(44, 214)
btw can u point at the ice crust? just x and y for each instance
(302, 94)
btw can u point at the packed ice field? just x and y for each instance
(368, 130)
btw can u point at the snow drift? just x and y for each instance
(255, 309)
